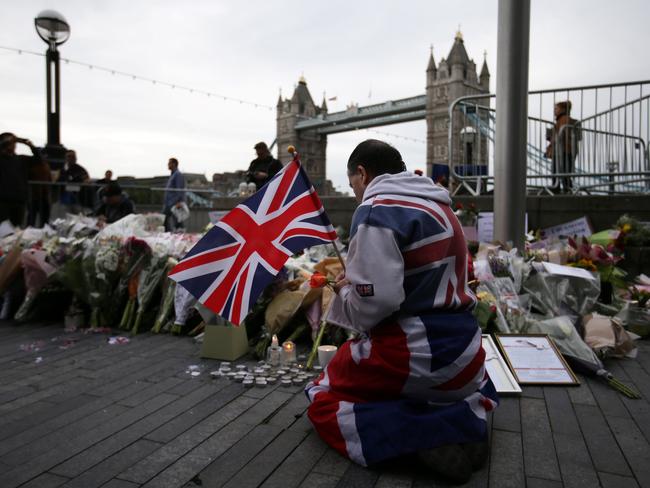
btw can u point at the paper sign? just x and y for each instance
(486, 226)
(535, 360)
(216, 215)
(558, 269)
(579, 227)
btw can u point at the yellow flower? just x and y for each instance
(626, 228)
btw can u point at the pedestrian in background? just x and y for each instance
(262, 168)
(174, 196)
(73, 175)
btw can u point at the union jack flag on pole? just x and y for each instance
(230, 266)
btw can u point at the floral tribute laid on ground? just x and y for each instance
(114, 279)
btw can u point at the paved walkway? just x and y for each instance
(89, 414)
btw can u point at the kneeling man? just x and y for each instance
(415, 382)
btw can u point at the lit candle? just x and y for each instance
(274, 352)
(288, 352)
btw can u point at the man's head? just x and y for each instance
(113, 194)
(7, 143)
(262, 150)
(172, 164)
(562, 108)
(370, 159)
(108, 175)
(70, 157)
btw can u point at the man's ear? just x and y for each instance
(365, 177)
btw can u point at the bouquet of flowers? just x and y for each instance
(151, 277)
(36, 271)
(100, 265)
(136, 254)
(467, 215)
(167, 303)
(594, 257)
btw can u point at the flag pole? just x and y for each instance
(294, 153)
(338, 254)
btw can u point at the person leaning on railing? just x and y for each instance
(115, 204)
(563, 145)
(72, 195)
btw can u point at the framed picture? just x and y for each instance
(535, 360)
(504, 382)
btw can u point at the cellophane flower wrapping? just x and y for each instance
(555, 295)
(566, 338)
(183, 304)
(36, 271)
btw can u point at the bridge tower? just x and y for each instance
(453, 77)
(311, 145)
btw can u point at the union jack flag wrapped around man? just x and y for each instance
(415, 380)
(230, 266)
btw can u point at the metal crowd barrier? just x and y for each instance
(610, 134)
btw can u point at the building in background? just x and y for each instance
(453, 77)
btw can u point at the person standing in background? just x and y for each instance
(13, 179)
(38, 207)
(264, 167)
(563, 145)
(72, 174)
(103, 182)
(174, 195)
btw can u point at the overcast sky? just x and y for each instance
(359, 51)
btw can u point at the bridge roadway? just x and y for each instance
(386, 113)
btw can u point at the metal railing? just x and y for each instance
(607, 150)
(87, 195)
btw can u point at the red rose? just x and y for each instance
(318, 280)
(459, 206)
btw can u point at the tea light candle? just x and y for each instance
(241, 367)
(288, 352)
(259, 371)
(248, 383)
(286, 382)
(298, 381)
(271, 380)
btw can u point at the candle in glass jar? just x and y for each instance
(288, 352)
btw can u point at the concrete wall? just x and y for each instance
(543, 211)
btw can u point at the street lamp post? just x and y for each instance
(52, 27)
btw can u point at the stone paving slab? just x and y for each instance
(128, 416)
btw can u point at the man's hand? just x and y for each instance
(260, 175)
(341, 282)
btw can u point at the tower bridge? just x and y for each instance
(302, 123)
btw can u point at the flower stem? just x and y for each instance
(314, 349)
